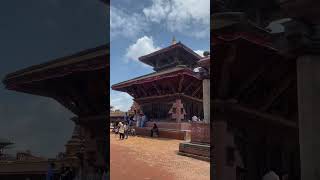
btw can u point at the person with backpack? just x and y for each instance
(121, 130)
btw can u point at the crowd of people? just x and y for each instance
(126, 127)
(69, 173)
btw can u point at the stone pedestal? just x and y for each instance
(199, 146)
(200, 133)
(308, 69)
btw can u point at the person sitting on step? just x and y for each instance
(155, 130)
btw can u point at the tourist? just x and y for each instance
(271, 175)
(121, 130)
(68, 174)
(50, 174)
(138, 119)
(105, 175)
(63, 172)
(154, 130)
(126, 118)
(130, 121)
(143, 119)
(116, 127)
(126, 129)
(194, 118)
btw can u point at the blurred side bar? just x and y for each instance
(78, 82)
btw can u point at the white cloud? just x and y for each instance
(200, 52)
(120, 100)
(191, 17)
(141, 47)
(124, 24)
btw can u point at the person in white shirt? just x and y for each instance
(138, 119)
(121, 130)
(194, 118)
(271, 175)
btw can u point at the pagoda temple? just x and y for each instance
(172, 94)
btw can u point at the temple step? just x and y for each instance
(195, 150)
(170, 125)
(165, 133)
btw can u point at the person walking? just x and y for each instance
(126, 118)
(126, 129)
(143, 119)
(130, 121)
(138, 120)
(121, 130)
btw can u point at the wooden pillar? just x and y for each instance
(94, 133)
(308, 69)
(206, 100)
(219, 149)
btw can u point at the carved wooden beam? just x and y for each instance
(277, 92)
(268, 117)
(131, 92)
(172, 87)
(67, 103)
(188, 86)
(141, 87)
(78, 99)
(157, 88)
(196, 91)
(135, 91)
(246, 84)
(167, 96)
(180, 84)
(223, 91)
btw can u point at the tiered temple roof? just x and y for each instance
(171, 56)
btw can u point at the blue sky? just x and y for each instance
(145, 26)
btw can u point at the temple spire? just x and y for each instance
(174, 40)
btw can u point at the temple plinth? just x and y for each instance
(78, 83)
